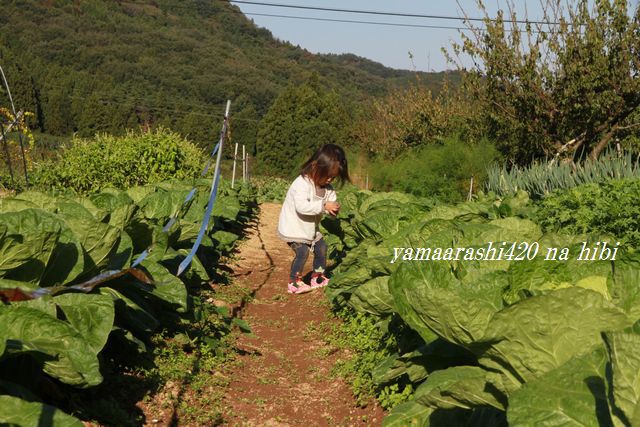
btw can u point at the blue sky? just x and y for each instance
(389, 45)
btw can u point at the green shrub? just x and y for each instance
(442, 171)
(612, 208)
(137, 158)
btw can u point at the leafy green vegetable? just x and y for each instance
(90, 314)
(524, 341)
(459, 387)
(18, 412)
(408, 414)
(428, 296)
(572, 394)
(67, 355)
(623, 377)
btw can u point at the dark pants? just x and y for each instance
(302, 253)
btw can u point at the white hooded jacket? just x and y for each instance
(302, 210)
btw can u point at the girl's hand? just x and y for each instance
(332, 208)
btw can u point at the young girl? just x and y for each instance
(309, 196)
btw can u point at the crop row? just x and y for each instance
(69, 289)
(490, 342)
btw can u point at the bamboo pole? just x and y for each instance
(15, 114)
(244, 164)
(233, 173)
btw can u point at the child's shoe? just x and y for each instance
(298, 287)
(318, 280)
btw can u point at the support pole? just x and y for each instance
(244, 164)
(233, 173)
(5, 144)
(248, 169)
(15, 114)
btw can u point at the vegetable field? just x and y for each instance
(70, 293)
(481, 342)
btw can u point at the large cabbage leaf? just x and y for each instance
(27, 242)
(18, 412)
(573, 394)
(429, 297)
(623, 350)
(459, 387)
(536, 335)
(409, 414)
(132, 314)
(373, 297)
(90, 314)
(67, 355)
(623, 284)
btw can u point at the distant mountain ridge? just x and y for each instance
(105, 65)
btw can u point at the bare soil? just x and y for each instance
(283, 375)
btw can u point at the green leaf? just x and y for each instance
(573, 394)
(459, 387)
(623, 284)
(539, 334)
(242, 324)
(166, 286)
(90, 314)
(27, 241)
(224, 240)
(429, 297)
(130, 314)
(408, 414)
(71, 357)
(436, 355)
(623, 350)
(67, 261)
(18, 412)
(99, 240)
(373, 297)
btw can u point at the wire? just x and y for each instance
(371, 12)
(357, 22)
(392, 24)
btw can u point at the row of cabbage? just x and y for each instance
(68, 287)
(482, 342)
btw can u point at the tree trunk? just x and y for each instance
(604, 141)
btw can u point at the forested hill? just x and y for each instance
(105, 65)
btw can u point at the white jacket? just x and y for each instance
(302, 210)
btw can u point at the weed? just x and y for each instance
(360, 337)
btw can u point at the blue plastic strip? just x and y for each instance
(190, 195)
(203, 226)
(38, 293)
(170, 223)
(141, 258)
(207, 214)
(213, 153)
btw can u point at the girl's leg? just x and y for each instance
(302, 253)
(320, 256)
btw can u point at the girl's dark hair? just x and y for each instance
(329, 160)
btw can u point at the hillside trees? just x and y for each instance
(95, 66)
(552, 90)
(301, 119)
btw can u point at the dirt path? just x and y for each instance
(284, 376)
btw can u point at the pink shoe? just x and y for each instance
(299, 287)
(319, 280)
